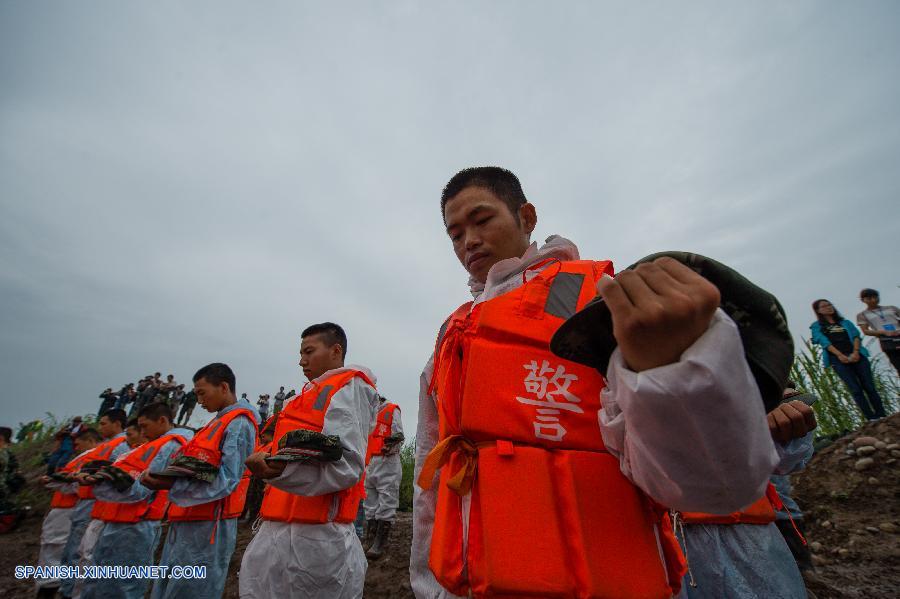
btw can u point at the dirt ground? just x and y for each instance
(852, 523)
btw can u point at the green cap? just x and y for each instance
(587, 337)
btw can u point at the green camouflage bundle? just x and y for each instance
(191, 467)
(304, 445)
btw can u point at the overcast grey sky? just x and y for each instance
(188, 182)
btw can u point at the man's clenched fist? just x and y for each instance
(659, 309)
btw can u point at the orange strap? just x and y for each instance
(455, 445)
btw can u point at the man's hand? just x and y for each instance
(157, 483)
(659, 310)
(44, 479)
(258, 466)
(83, 478)
(791, 420)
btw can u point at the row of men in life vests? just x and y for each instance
(112, 498)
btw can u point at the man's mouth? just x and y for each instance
(475, 259)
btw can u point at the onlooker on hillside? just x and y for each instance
(109, 401)
(176, 398)
(882, 322)
(263, 404)
(187, 407)
(279, 400)
(843, 351)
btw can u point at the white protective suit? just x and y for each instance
(54, 534)
(383, 478)
(84, 554)
(129, 544)
(745, 561)
(317, 561)
(692, 435)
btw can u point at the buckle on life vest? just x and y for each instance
(505, 448)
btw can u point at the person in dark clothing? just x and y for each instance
(187, 407)
(109, 402)
(65, 446)
(843, 351)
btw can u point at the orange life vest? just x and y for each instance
(207, 446)
(382, 430)
(67, 500)
(307, 411)
(101, 452)
(135, 462)
(762, 511)
(519, 431)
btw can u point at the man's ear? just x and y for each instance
(528, 217)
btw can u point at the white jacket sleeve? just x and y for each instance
(422, 580)
(693, 434)
(349, 416)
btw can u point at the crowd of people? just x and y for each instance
(579, 434)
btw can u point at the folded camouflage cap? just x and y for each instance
(303, 445)
(587, 337)
(190, 467)
(119, 479)
(94, 465)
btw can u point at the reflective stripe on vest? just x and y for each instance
(544, 484)
(383, 425)
(307, 411)
(762, 511)
(135, 462)
(207, 446)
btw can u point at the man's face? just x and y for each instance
(316, 358)
(153, 429)
(871, 301)
(484, 231)
(108, 428)
(133, 436)
(212, 397)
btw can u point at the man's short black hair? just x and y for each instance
(332, 334)
(6, 433)
(89, 433)
(133, 423)
(216, 374)
(155, 411)
(116, 415)
(499, 181)
(869, 293)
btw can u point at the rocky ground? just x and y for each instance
(850, 493)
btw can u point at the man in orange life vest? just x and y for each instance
(383, 475)
(208, 495)
(58, 525)
(132, 513)
(306, 545)
(110, 450)
(535, 475)
(114, 444)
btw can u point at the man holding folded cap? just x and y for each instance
(306, 545)
(133, 513)
(207, 482)
(591, 452)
